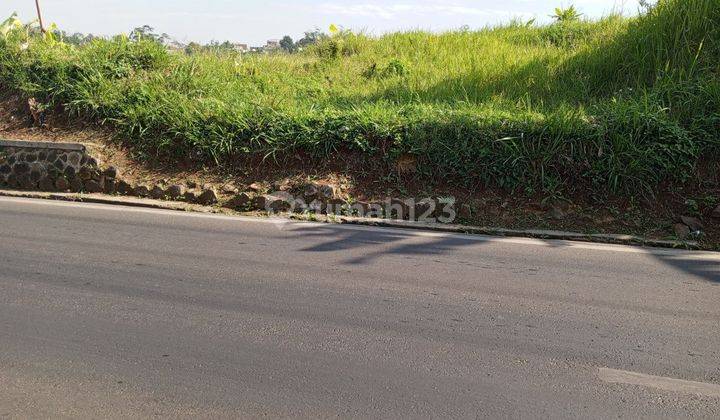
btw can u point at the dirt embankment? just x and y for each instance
(660, 217)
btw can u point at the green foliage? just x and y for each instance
(10, 24)
(342, 44)
(393, 68)
(620, 104)
(569, 14)
(310, 38)
(147, 33)
(574, 34)
(287, 44)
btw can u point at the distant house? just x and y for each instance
(242, 48)
(273, 44)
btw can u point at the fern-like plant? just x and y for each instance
(570, 14)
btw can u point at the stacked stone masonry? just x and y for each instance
(47, 166)
(67, 167)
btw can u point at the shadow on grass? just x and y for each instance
(536, 83)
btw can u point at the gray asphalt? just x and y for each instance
(118, 312)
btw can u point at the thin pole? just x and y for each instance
(37, 5)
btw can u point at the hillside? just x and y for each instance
(621, 103)
(621, 106)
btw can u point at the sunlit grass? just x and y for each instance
(616, 104)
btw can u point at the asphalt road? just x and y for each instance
(119, 312)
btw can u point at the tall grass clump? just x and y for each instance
(615, 105)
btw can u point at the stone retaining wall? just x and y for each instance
(63, 167)
(47, 166)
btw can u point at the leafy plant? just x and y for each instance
(394, 68)
(569, 14)
(10, 24)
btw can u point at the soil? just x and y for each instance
(361, 179)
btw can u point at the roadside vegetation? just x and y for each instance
(620, 105)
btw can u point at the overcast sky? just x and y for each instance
(253, 21)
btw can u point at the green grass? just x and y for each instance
(617, 105)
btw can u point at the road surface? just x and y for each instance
(121, 312)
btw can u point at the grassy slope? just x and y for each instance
(615, 105)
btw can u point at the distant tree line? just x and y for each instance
(312, 37)
(147, 32)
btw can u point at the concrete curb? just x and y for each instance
(45, 145)
(618, 239)
(107, 199)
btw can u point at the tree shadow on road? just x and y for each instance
(384, 242)
(696, 265)
(379, 243)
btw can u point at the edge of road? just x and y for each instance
(617, 239)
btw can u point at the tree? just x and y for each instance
(310, 38)
(147, 33)
(287, 44)
(193, 48)
(142, 32)
(76, 38)
(219, 47)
